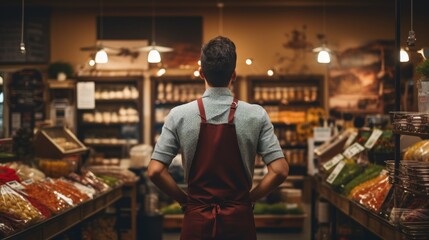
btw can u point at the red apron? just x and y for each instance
(219, 205)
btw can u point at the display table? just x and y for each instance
(62, 222)
(361, 215)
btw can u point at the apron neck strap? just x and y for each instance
(232, 111)
(201, 108)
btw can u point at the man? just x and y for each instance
(219, 137)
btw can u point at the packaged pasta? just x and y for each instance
(17, 208)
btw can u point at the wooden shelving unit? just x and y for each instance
(118, 115)
(364, 217)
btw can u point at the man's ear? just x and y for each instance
(201, 74)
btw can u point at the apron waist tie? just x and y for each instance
(215, 209)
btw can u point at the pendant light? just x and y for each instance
(411, 40)
(323, 55)
(22, 44)
(101, 55)
(154, 56)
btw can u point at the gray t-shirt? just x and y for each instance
(255, 133)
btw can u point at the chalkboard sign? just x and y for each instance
(36, 35)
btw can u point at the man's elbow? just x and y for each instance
(154, 170)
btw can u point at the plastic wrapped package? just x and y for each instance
(67, 189)
(7, 174)
(46, 196)
(373, 196)
(409, 152)
(17, 208)
(26, 172)
(88, 178)
(122, 174)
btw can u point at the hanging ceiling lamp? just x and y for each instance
(22, 44)
(323, 55)
(154, 55)
(101, 55)
(411, 40)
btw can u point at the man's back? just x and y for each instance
(254, 130)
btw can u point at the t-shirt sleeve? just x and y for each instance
(268, 144)
(167, 146)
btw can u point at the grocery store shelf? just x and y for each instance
(364, 217)
(422, 135)
(65, 220)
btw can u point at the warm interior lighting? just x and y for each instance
(1, 98)
(196, 73)
(161, 72)
(424, 52)
(199, 62)
(270, 72)
(1, 80)
(249, 61)
(91, 62)
(403, 56)
(323, 56)
(101, 56)
(154, 56)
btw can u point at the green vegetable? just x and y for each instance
(370, 172)
(276, 208)
(349, 172)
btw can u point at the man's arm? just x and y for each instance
(158, 173)
(278, 170)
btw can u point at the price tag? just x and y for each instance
(351, 138)
(329, 164)
(353, 150)
(336, 171)
(15, 185)
(375, 135)
(322, 134)
(27, 182)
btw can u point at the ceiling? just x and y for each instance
(198, 3)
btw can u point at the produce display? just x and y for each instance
(67, 189)
(88, 178)
(26, 172)
(369, 173)
(17, 208)
(348, 173)
(372, 195)
(46, 196)
(277, 208)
